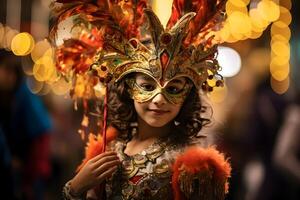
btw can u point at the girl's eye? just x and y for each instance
(147, 87)
(173, 90)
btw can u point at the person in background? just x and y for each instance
(26, 126)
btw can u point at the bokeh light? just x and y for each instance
(229, 60)
(22, 44)
(34, 85)
(257, 21)
(280, 48)
(280, 87)
(268, 10)
(42, 48)
(9, 34)
(43, 69)
(280, 72)
(285, 16)
(239, 23)
(277, 29)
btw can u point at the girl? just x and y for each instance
(152, 77)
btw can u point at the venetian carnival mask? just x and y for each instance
(143, 88)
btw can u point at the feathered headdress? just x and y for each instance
(113, 38)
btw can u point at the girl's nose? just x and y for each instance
(159, 99)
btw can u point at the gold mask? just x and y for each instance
(143, 88)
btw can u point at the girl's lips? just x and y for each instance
(158, 112)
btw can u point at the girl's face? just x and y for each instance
(158, 110)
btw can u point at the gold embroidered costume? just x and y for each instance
(148, 175)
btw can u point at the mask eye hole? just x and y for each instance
(145, 82)
(176, 86)
(147, 86)
(173, 89)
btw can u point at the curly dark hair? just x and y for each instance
(122, 113)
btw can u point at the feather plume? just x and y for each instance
(201, 173)
(128, 15)
(94, 145)
(97, 20)
(208, 14)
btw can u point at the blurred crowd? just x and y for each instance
(40, 147)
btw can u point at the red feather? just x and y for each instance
(74, 55)
(206, 16)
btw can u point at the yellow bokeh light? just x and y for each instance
(285, 15)
(280, 87)
(257, 20)
(284, 32)
(53, 77)
(275, 67)
(43, 68)
(279, 38)
(286, 3)
(39, 71)
(22, 44)
(280, 74)
(231, 8)
(240, 36)
(255, 27)
(224, 33)
(239, 3)
(239, 23)
(8, 36)
(218, 94)
(269, 10)
(40, 49)
(280, 24)
(255, 35)
(281, 48)
(231, 39)
(61, 87)
(279, 60)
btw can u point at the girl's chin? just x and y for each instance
(157, 124)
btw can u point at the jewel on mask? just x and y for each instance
(164, 59)
(165, 38)
(133, 43)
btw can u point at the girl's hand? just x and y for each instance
(95, 171)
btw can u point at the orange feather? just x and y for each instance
(94, 145)
(198, 160)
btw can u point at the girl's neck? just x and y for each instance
(147, 132)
